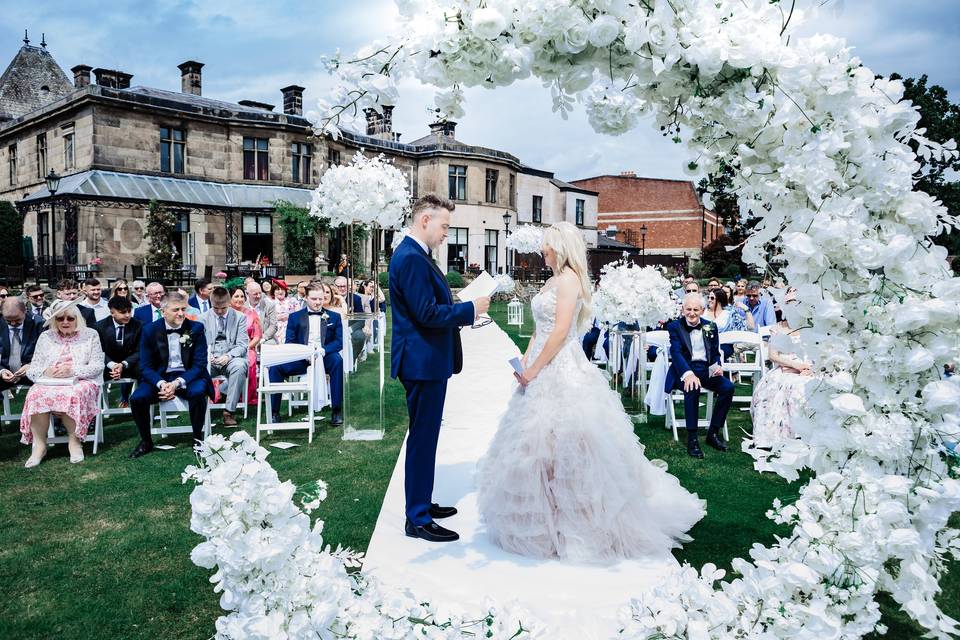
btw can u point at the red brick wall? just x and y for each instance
(670, 209)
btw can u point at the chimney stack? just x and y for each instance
(81, 75)
(190, 77)
(293, 100)
(380, 125)
(443, 128)
(628, 174)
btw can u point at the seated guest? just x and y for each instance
(69, 350)
(120, 340)
(238, 302)
(150, 310)
(200, 300)
(301, 296)
(318, 326)
(228, 346)
(68, 291)
(267, 287)
(266, 310)
(716, 311)
(191, 311)
(695, 363)
(138, 291)
(173, 362)
(18, 339)
(760, 305)
(353, 303)
(285, 306)
(779, 395)
(36, 303)
(120, 289)
(93, 298)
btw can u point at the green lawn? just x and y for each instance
(101, 549)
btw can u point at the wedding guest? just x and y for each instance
(69, 352)
(301, 296)
(173, 362)
(266, 310)
(18, 340)
(138, 292)
(201, 296)
(716, 311)
(778, 398)
(228, 345)
(150, 310)
(68, 291)
(712, 284)
(741, 290)
(740, 318)
(318, 326)
(695, 363)
(354, 302)
(267, 287)
(120, 289)
(285, 306)
(760, 305)
(93, 299)
(192, 312)
(36, 303)
(238, 301)
(120, 341)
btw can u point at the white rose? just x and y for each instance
(603, 31)
(919, 359)
(698, 630)
(848, 404)
(941, 396)
(488, 23)
(204, 555)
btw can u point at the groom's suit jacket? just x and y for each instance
(426, 321)
(681, 349)
(155, 354)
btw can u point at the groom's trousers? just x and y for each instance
(723, 392)
(425, 406)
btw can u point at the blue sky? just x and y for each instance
(251, 49)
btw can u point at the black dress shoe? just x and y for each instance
(336, 419)
(274, 418)
(431, 532)
(142, 449)
(693, 448)
(436, 511)
(716, 442)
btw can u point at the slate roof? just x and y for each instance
(32, 79)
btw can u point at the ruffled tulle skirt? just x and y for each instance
(565, 476)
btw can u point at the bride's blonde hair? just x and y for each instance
(567, 241)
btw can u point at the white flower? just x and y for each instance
(848, 404)
(941, 396)
(488, 23)
(603, 31)
(368, 191)
(527, 238)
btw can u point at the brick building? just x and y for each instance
(676, 222)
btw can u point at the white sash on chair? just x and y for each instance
(656, 397)
(347, 340)
(599, 355)
(284, 353)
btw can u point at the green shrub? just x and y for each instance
(11, 240)
(454, 279)
(384, 279)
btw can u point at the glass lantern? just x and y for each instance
(515, 312)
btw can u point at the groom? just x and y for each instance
(424, 353)
(695, 363)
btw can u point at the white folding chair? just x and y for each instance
(8, 415)
(753, 369)
(95, 434)
(223, 396)
(276, 354)
(764, 333)
(677, 395)
(105, 407)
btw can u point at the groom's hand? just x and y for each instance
(480, 305)
(691, 382)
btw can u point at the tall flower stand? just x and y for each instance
(626, 366)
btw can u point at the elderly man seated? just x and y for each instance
(18, 339)
(227, 343)
(694, 363)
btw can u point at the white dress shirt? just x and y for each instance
(698, 349)
(315, 336)
(175, 361)
(100, 309)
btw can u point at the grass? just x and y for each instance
(102, 549)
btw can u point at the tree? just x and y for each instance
(11, 240)
(716, 261)
(941, 118)
(300, 230)
(160, 229)
(720, 187)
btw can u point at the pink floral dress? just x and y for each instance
(80, 350)
(254, 330)
(284, 308)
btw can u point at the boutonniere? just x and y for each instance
(186, 340)
(325, 316)
(707, 330)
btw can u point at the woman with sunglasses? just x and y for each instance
(120, 289)
(138, 293)
(65, 370)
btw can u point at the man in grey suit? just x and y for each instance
(266, 309)
(227, 344)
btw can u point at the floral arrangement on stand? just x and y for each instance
(628, 293)
(526, 238)
(821, 149)
(276, 577)
(368, 191)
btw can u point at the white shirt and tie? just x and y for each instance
(175, 359)
(698, 350)
(119, 330)
(316, 327)
(204, 305)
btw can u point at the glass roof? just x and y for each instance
(132, 186)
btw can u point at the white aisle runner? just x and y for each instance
(575, 601)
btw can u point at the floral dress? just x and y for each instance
(284, 308)
(254, 330)
(79, 401)
(777, 399)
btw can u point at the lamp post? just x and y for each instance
(53, 184)
(643, 245)
(506, 226)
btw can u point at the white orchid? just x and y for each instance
(368, 191)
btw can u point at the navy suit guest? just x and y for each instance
(200, 299)
(150, 311)
(314, 325)
(425, 352)
(695, 362)
(120, 340)
(18, 339)
(173, 362)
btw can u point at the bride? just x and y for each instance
(565, 476)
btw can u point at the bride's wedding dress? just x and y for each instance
(565, 476)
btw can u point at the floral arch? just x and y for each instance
(821, 147)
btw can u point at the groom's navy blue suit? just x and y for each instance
(681, 361)
(425, 351)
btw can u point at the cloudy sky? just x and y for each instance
(251, 49)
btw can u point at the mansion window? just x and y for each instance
(513, 190)
(255, 159)
(579, 211)
(458, 182)
(333, 157)
(537, 209)
(12, 163)
(257, 240)
(491, 191)
(457, 249)
(68, 153)
(301, 153)
(41, 155)
(172, 144)
(490, 250)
